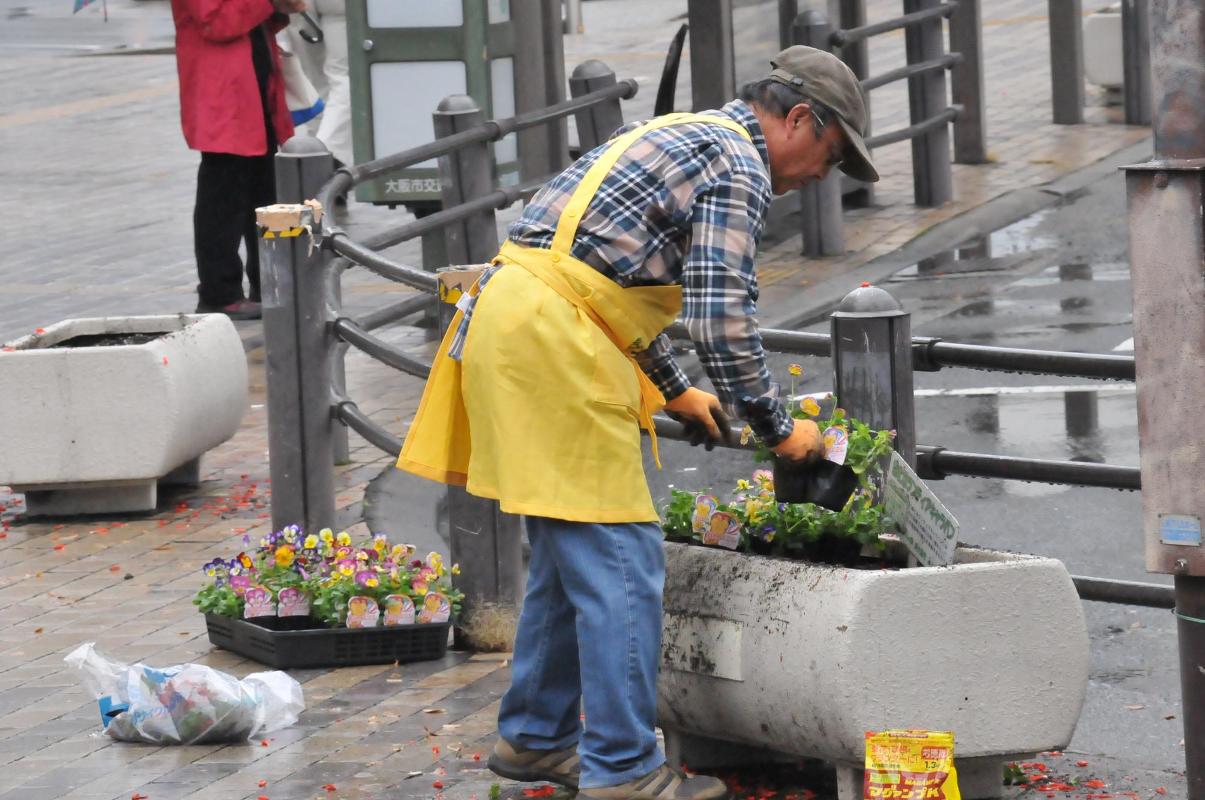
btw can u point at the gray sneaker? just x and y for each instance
(562, 767)
(663, 783)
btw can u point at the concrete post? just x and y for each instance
(464, 175)
(595, 124)
(712, 63)
(487, 543)
(1136, 60)
(820, 208)
(966, 83)
(1167, 262)
(1067, 60)
(299, 352)
(872, 364)
(932, 181)
(573, 17)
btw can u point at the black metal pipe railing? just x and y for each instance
(937, 462)
(347, 412)
(386, 315)
(1130, 593)
(932, 354)
(349, 331)
(890, 76)
(491, 130)
(840, 38)
(914, 131)
(342, 244)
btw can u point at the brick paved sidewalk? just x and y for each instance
(103, 226)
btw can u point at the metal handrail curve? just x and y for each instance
(848, 36)
(349, 331)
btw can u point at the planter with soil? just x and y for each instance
(97, 412)
(810, 656)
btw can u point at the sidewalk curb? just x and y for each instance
(996, 213)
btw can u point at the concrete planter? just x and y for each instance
(94, 429)
(802, 659)
(1102, 50)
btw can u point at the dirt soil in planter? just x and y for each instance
(109, 339)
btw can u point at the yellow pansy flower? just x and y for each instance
(795, 369)
(326, 535)
(284, 556)
(810, 407)
(343, 539)
(310, 542)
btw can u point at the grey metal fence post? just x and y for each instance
(464, 175)
(856, 55)
(299, 348)
(539, 82)
(787, 11)
(339, 437)
(819, 203)
(1136, 60)
(595, 124)
(932, 180)
(1066, 60)
(554, 85)
(486, 542)
(966, 83)
(872, 364)
(712, 63)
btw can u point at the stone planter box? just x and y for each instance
(769, 654)
(92, 428)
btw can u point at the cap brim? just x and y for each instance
(856, 161)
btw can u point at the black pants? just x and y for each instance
(229, 189)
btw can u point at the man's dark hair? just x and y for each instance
(778, 99)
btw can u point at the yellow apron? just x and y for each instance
(543, 411)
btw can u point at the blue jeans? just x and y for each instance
(589, 638)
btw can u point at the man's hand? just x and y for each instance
(289, 6)
(702, 416)
(804, 444)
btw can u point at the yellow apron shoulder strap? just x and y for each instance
(566, 227)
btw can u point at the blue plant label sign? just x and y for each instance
(927, 527)
(1180, 529)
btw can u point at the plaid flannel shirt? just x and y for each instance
(686, 204)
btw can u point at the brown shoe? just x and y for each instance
(561, 767)
(663, 783)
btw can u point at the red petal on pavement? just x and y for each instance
(60, 547)
(165, 361)
(136, 796)
(115, 568)
(476, 756)
(1095, 783)
(547, 790)
(330, 787)
(438, 784)
(39, 330)
(1161, 790)
(262, 784)
(263, 743)
(1081, 763)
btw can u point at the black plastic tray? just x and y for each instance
(301, 642)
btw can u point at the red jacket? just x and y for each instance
(220, 106)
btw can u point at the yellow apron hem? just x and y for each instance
(643, 514)
(432, 473)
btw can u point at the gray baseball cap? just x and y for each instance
(827, 80)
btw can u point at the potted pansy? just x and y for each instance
(845, 516)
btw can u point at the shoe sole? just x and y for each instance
(525, 775)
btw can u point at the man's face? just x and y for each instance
(797, 155)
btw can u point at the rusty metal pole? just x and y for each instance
(1167, 265)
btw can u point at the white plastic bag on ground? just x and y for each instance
(187, 703)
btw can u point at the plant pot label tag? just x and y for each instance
(258, 603)
(362, 612)
(705, 506)
(399, 610)
(292, 603)
(927, 527)
(723, 529)
(836, 444)
(436, 608)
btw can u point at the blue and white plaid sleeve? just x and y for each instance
(719, 295)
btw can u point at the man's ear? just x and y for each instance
(798, 115)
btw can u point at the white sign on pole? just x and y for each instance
(926, 526)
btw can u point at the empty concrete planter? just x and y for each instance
(802, 659)
(96, 412)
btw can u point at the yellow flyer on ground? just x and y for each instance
(910, 765)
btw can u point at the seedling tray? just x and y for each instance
(302, 642)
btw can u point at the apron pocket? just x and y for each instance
(614, 381)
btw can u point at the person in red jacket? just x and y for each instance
(232, 108)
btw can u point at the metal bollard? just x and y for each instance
(1136, 60)
(1067, 61)
(595, 124)
(966, 83)
(299, 349)
(787, 11)
(872, 364)
(856, 55)
(465, 175)
(712, 63)
(819, 203)
(539, 80)
(932, 180)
